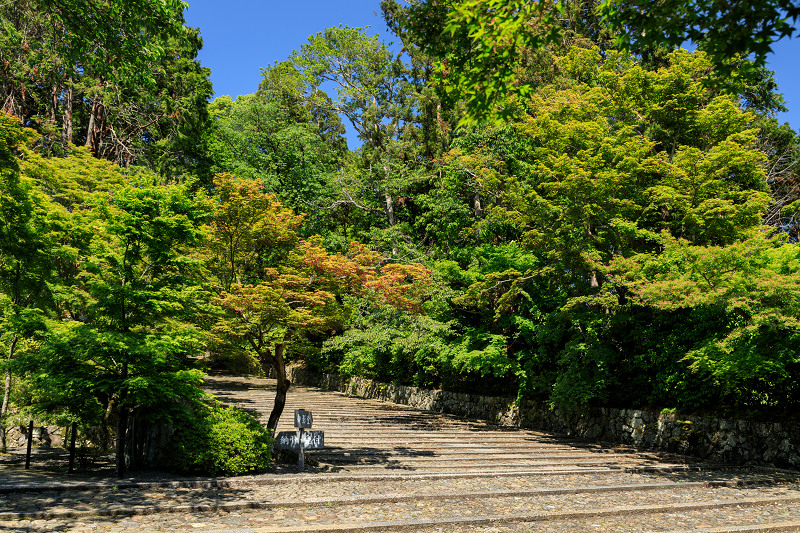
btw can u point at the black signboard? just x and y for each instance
(290, 440)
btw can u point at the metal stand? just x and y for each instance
(30, 443)
(301, 456)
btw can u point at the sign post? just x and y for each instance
(301, 456)
(288, 440)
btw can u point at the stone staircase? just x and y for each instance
(424, 470)
(387, 468)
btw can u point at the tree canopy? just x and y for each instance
(480, 44)
(551, 201)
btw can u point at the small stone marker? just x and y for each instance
(300, 440)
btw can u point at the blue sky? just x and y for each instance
(242, 36)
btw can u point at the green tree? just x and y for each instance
(781, 144)
(481, 44)
(263, 137)
(374, 93)
(25, 268)
(605, 160)
(119, 77)
(135, 293)
(723, 30)
(753, 286)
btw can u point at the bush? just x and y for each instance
(219, 441)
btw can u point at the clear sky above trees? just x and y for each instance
(249, 34)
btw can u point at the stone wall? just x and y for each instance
(771, 443)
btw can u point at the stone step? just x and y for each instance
(128, 502)
(755, 528)
(709, 474)
(471, 468)
(412, 458)
(460, 442)
(448, 444)
(408, 428)
(119, 504)
(416, 514)
(450, 454)
(398, 433)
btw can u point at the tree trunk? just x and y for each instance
(72, 435)
(90, 127)
(9, 103)
(594, 280)
(54, 103)
(389, 208)
(104, 433)
(66, 130)
(6, 396)
(283, 386)
(94, 133)
(122, 429)
(477, 206)
(122, 426)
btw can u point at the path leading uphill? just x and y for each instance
(387, 467)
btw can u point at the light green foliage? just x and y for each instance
(127, 300)
(23, 242)
(69, 379)
(391, 345)
(755, 283)
(478, 47)
(140, 278)
(374, 91)
(287, 136)
(497, 31)
(482, 353)
(445, 348)
(73, 180)
(25, 267)
(219, 441)
(599, 168)
(605, 162)
(362, 69)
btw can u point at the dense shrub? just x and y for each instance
(219, 441)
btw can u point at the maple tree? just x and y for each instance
(277, 287)
(25, 267)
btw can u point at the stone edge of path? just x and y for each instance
(393, 498)
(323, 477)
(529, 517)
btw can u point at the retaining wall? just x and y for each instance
(769, 443)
